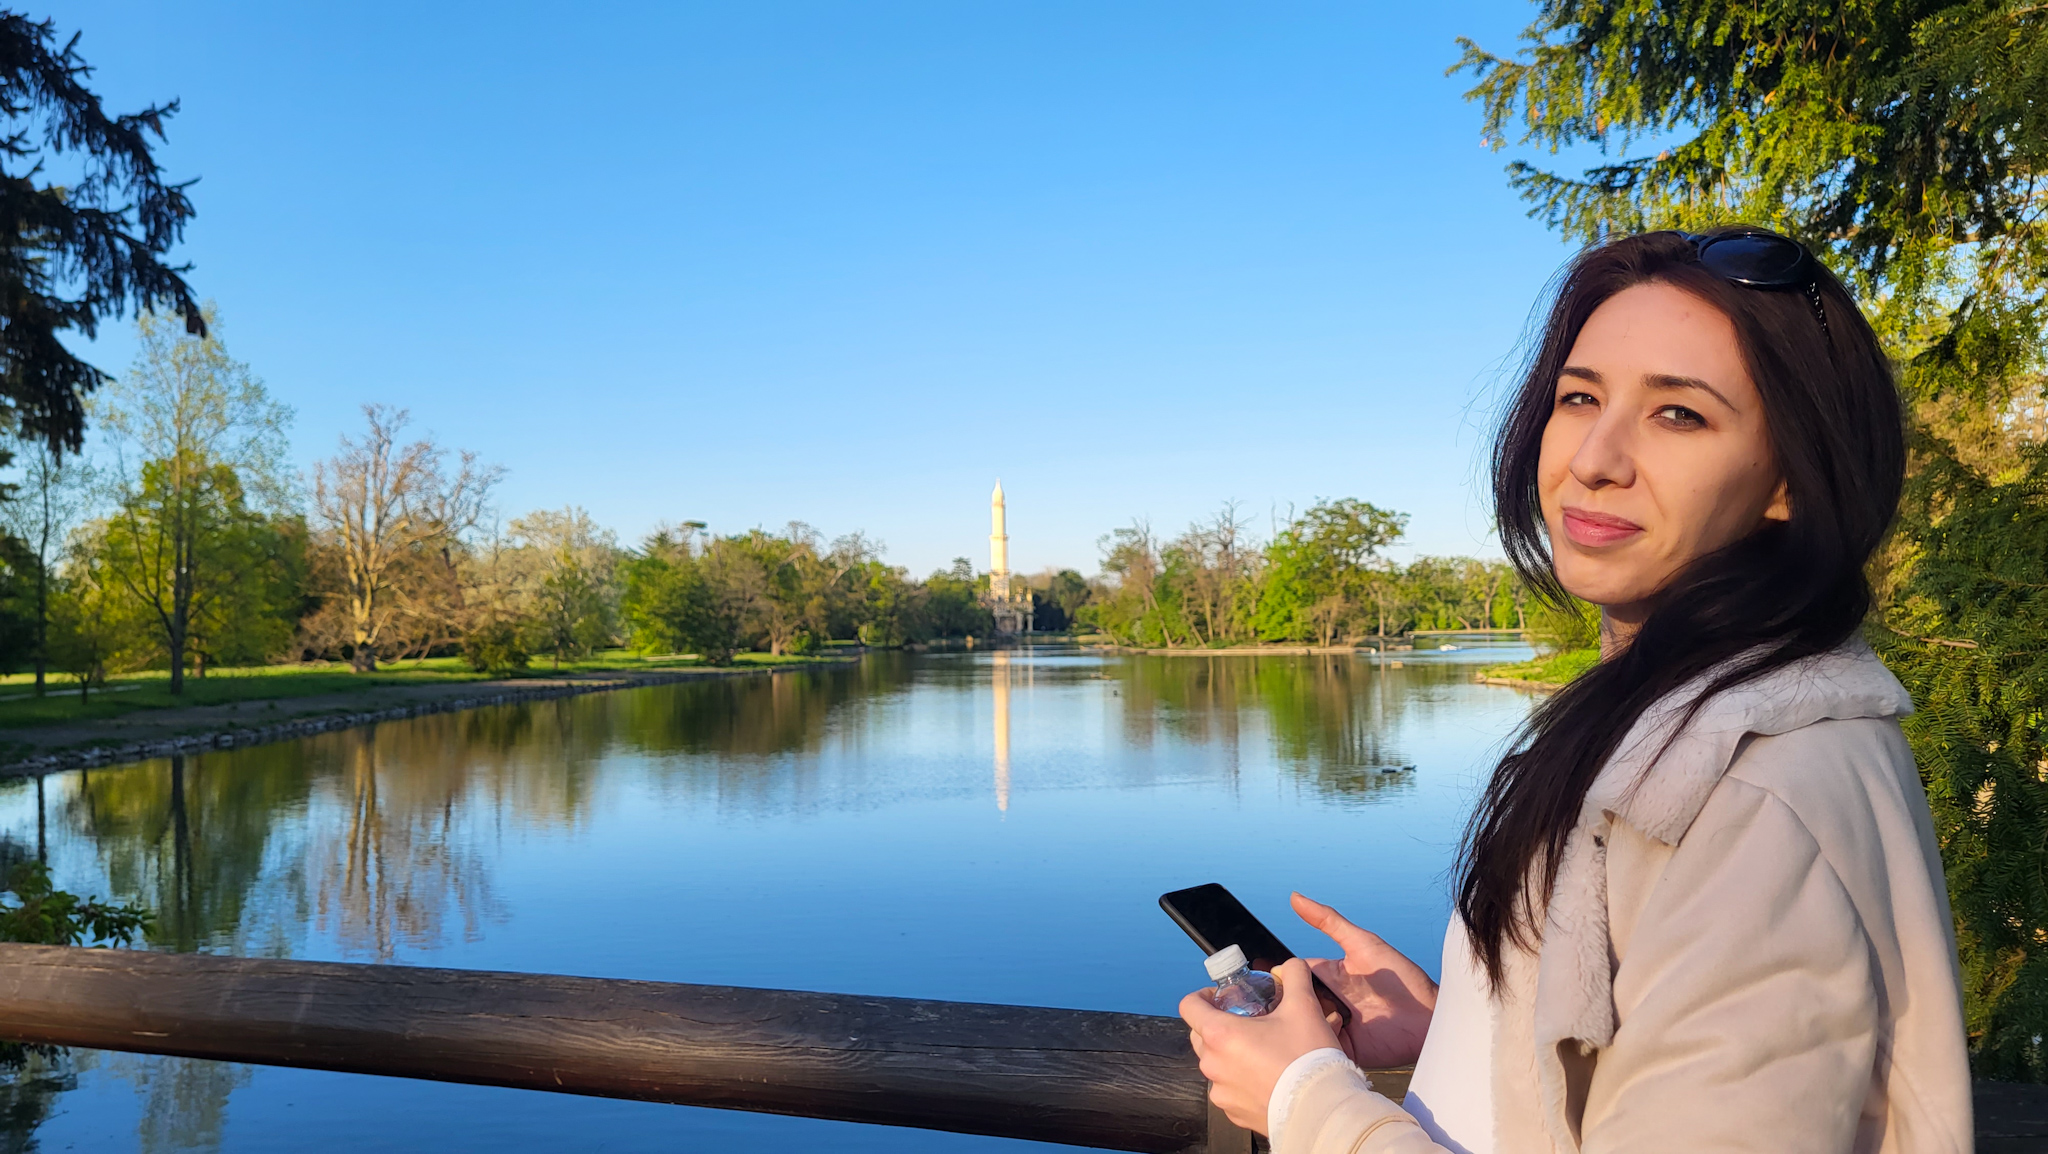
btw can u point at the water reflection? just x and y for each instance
(397, 866)
(394, 842)
(184, 1102)
(999, 683)
(29, 1094)
(1335, 721)
(193, 838)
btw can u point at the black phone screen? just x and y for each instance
(1214, 918)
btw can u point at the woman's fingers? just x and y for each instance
(1297, 991)
(1336, 925)
(1197, 1010)
(1293, 976)
(1243, 1057)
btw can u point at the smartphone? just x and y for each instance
(1215, 918)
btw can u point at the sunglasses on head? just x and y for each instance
(1761, 260)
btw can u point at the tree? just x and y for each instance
(387, 510)
(573, 595)
(1215, 568)
(20, 576)
(1907, 145)
(195, 431)
(893, 610)
(952, 606)
(214, 575)
(51, 498)
(785, 590)
(682, 591)
(1321, 568)
(1057, 598)
(1130, 611)
(667, 601)
(88, 618)
(78, 251)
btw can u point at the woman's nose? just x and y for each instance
(1607, 455)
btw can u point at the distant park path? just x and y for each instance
(150, 733)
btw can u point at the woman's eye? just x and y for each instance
(1680, 415)
(1573, 399)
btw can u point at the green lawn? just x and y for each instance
(1556, 669)
(151, 690)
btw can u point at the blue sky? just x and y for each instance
(849, 263)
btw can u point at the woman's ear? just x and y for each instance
(1780, 508)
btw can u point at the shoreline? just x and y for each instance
(172, 732)
(1519, 683)
(1256, 650)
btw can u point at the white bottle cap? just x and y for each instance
(1225, 962)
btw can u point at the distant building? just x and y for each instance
(1008, 598)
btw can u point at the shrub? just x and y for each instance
(497, 648)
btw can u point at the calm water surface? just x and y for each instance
(979, 827)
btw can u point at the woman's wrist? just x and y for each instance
(1296, 1075)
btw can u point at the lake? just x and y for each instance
(989, 826)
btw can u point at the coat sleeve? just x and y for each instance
(1746, 997)
(1336, 1111)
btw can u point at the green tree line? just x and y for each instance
(182, 543)
(1322, 578)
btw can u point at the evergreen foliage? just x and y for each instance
(75, 252)
(1907, 144)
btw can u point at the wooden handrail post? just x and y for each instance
(1225, 1136)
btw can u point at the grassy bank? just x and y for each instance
(1555, 669)
(130, 693)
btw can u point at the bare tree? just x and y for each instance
(392, 513)
(1220, 572)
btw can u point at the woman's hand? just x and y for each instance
(1243, 1058)
(1391, 999)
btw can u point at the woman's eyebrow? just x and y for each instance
(1582, 373)
(1674, 381)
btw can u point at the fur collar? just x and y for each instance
(1660, 796)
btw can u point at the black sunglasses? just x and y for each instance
(1761, 260)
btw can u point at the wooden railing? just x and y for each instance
(1086, 1078)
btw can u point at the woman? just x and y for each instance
(1699, 906)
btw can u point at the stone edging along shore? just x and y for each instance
(1519, 683)
(501, 693)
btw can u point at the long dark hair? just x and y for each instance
(1787, 591)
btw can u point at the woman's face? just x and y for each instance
(1656, 451)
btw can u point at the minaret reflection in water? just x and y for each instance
(999, 678)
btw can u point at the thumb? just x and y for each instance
(1332, 923)
(1297, 989)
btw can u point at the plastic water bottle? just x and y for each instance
(1239, 988)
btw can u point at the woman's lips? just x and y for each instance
(1586, 527)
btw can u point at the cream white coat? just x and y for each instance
(1749, 948)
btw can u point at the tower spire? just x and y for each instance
(998, 539)
(1008, 598)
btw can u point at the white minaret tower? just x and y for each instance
(998, 547)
